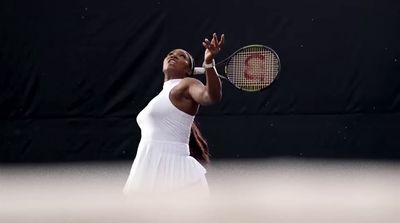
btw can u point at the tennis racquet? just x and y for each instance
(251, 68)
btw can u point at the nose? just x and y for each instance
(173, 55)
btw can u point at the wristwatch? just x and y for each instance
(209, 65)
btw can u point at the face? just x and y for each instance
(177, 62)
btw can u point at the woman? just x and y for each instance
(163, 162)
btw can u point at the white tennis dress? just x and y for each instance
(162, 161)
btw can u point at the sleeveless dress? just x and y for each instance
(162, 162)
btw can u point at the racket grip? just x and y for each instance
(199, 70)
(202, 70)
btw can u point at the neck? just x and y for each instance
(171, 77)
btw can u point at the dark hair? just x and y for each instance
(198, 145)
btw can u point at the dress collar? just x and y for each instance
(171, 82)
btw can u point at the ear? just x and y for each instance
(189, 72)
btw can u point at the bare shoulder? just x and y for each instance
(183, 89)
(188, 85)
(185, 84)
(190, 81)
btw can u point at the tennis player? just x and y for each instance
(171, 148)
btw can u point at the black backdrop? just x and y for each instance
(74, 75)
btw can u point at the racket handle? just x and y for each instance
(202, 70)
(199, 70)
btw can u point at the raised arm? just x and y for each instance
(212, 91)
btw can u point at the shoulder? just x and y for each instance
(188, 85)
(185, 84)
(190, 81)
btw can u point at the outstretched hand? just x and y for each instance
(212, 47)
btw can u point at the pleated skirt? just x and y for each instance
(164, 166)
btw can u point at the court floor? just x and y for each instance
(270, 190)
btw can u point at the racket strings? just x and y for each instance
(253, 68)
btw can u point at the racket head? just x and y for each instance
(253, 68)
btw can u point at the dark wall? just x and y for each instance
(74, 75)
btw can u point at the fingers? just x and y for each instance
(222, 40)
(214, 40)
(214, 46)
(205, 45)
(207, 41)
(215, 43)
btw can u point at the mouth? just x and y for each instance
(172, 61)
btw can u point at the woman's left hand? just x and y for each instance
(212, 47)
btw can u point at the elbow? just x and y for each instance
(216, 98)
(219, 97)
(210, 98)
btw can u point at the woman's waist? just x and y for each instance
(166, 136)
(166, 146)
(165, 141)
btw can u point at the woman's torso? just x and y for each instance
(161, 120)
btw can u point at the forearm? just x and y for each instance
(213, 85)
(213, 90)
